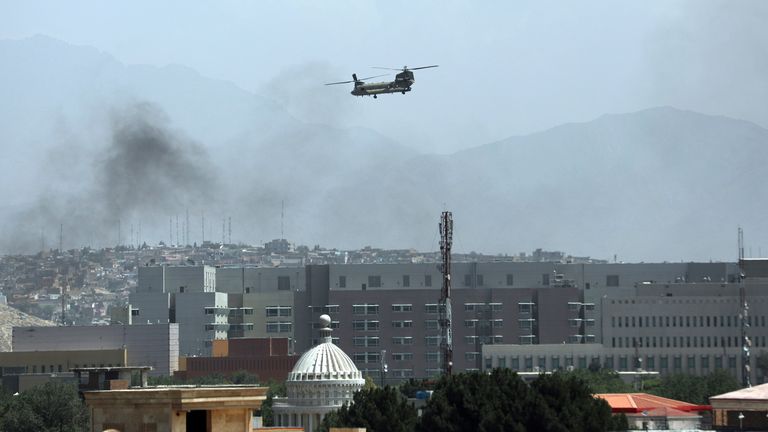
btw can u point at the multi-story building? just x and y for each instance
(392, 309)
(185, 295)
(689, 325)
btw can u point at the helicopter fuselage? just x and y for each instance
(402, 83)
(371, 89)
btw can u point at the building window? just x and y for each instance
(427, 280)
(496, 307)
(402, 307)
(545, 279)
(431, 324)
(402, 340)
(432, 308)
(501, 362)
(402, 324)
(432, 340)
(406, 281)
(432, 356)
(612, 280)
(471, 323)
(366, 357)
(510, 279)
(525, 307)
(402, 356)
(497, 323)
(525, 324)
(365, 341)
(279, 327)
(365, 325)
(284, 283)
(471, 356)
(274, 311)
(374, 281)
(342, 281)
(365, 309)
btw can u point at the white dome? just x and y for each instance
(325, 362)
(324, 379)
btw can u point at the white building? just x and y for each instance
(323, 380)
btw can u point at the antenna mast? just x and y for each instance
(746, 343)
(446, 337)
(282, 219)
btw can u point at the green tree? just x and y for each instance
(52, 407)
(601, 380)
(410, 387)
(486, 402)
(577, 410)
(376, 409)
(696, 389)
(502, 401)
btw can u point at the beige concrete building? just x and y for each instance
(175, 409)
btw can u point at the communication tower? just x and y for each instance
(445, 321)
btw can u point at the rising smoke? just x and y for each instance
(142, 172)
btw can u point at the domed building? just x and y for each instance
(323, 380)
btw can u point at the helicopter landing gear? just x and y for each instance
(375, 97)
(402, 92)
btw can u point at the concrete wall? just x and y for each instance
(153, 345)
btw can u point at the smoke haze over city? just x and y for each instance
(598, 128)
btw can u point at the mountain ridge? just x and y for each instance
(648, 185)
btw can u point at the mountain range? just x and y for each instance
(94, 146)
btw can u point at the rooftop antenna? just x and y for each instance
(446, 339)
(138, 237)
(282, 219)
(170, 230)
(186, 232)
(202, 230)
(223, 230)
(229, 230)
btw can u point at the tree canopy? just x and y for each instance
(52, 407)
(377, 409)
(695, 389)
(502, 401)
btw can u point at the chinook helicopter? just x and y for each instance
(402, 83)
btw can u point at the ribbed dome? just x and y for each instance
(325, 361)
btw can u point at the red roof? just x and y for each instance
(653, 405)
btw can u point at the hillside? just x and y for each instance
(100, 143)
(10, 318)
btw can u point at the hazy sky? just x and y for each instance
(506, 67)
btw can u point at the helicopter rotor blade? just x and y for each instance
(423, 67)
(340, 82)
(386, 68)
(370, 77)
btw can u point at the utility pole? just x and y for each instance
(444, 307)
